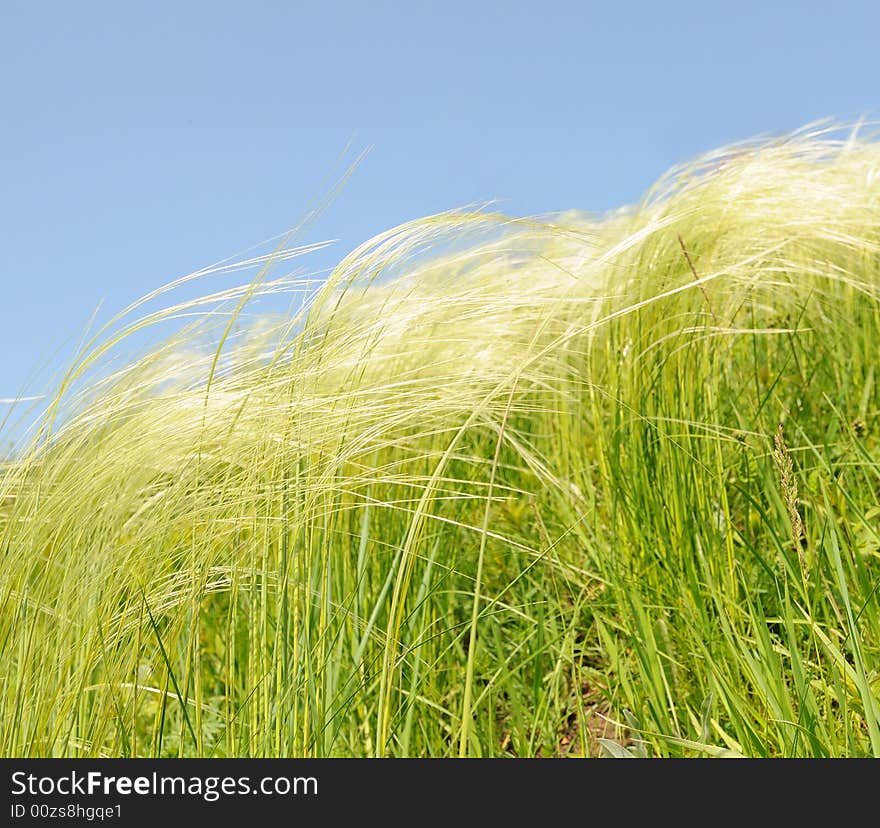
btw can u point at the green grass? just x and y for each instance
(500, 487)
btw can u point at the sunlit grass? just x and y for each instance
(498, 487)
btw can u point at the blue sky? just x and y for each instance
(141, 141)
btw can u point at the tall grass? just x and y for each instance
(499, 487)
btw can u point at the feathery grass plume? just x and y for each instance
(788, 482)
(494, 486)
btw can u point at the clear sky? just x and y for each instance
(141, 141)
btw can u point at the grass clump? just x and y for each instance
(498, 487)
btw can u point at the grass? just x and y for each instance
(498, 487)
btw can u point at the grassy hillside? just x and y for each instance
(502, 487)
